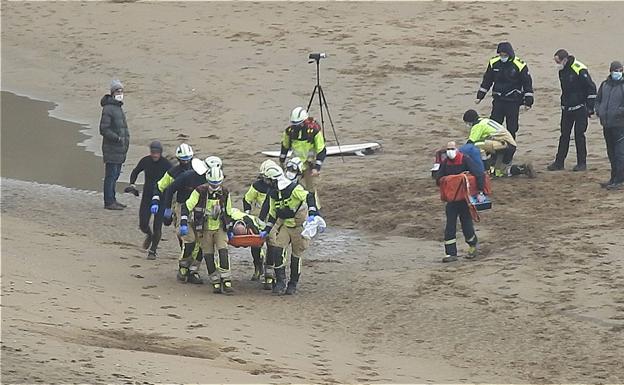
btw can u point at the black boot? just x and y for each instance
(280, 281)
(295, 273)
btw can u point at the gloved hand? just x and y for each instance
(183, 229)
(590, 113)
(168, 213)
(154, 208)
(264, 234)
(528, 101)
(477, 101)
(132, 190)
(310, 218)
(481, 197)
(230, 235)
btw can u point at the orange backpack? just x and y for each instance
(460, 187)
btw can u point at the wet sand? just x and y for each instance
(37, 147)
(542, 304)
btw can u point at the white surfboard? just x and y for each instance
(349, 149)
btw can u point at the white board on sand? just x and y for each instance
(349, 149)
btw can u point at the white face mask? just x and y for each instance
(616, 75)
(451, 154)
(468, 124)
(291, 175)
(504, 59)
(559, 66)
(119, 97)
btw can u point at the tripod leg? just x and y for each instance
(331, 122)
(312, 97)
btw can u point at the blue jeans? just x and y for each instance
(110, 180)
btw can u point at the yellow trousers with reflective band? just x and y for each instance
(212, 241)
(282, 236)
(193, 261)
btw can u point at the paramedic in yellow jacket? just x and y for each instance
(496, 141)
(305, 138)
(211, 207)
(289, 206)
(252, 203)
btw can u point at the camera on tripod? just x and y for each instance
(317, 56)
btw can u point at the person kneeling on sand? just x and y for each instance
(211, 206)
(454, 164)
(491, 137)
(287, 205)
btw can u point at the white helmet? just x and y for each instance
(298, 115)
(214, 177)
(184, 152)
(295, 164)
(294, 168)
(213, 161)
(267, 163)
(273, 172)
(199, 166)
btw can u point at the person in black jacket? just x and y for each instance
(154, 166)
(115, 141)
(512, 86)
(610, 110)
(454, 164)
(578, 95)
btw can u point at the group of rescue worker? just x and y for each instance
(193, 197)
(491, 146)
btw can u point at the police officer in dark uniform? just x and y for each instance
(578, 95)
(512, 88)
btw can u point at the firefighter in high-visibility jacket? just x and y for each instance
(493, 139)
(289, 206)
(211, 208)
(252, 204)
(512, 86)
(305, 138)
(578, 96)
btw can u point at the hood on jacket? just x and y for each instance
(108, 99)
(507, 48)
(570, 60)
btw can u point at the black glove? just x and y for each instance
(590, 113)
(480, 95)
(528, 101)
(132, 190)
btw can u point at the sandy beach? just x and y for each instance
(544, 303)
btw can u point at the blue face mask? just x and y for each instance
(504, 59)
(616, 75)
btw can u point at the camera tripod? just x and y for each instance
(318, 90)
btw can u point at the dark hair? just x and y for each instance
(471, 116)
(562, 54)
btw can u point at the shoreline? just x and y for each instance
(541, 304)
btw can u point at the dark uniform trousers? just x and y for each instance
(506, 111)
(576, 119)
(614, 138)
(461, 210)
